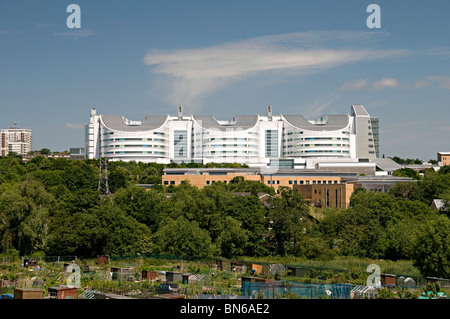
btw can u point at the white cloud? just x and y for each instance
(76, 33)
(355, 84)
(386, 83)
(193, 74)
(421, 84)
(74, 126)
(442, 81)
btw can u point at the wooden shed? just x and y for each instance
(148, 275)
(247, 279)
(296, 271)
(63, 292)
(28, 293)
(388, 280)
(257, 268)
(102, 260)
(443, 282)
(175, 276)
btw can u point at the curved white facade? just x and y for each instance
(253, 140)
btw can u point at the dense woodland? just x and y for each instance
(52, 207)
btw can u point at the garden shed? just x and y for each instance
(148, 275)
(388, 279)
(102, 260)
(296, 271)
(177, 277)
(28, 293)
(62, 292)
(126, 274)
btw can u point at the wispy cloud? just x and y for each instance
(9, 31)
(355, 84)
(386, 83)
(317, 108)
(428, 81)
(442, 81)
(76, 33)
(192, 74)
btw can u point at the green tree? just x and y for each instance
(402, 239)
(407, 190)
(432, 253)
(103, 229)
(289, 221)
(145, 206)
(233, 239)
(407, 172)
(24, 211)
(45, 151)
(181, 237)
(361, 229)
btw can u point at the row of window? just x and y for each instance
(154, 133)
(134, 139)
(207, 133)
(227, 152)
(230, 139)
(230, 145)
(317, 138)
(292, 133)
(294, 182)
(324, 151)
(127, 145)
(315, 145)
(137, 152)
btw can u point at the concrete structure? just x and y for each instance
(77, 153)
(55, 155)
(444, 158)
(15, 140)
(385, 166)
(327, 196)
(338, 195)
(201, 177)
(285, 141)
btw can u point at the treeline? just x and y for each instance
(52, 206)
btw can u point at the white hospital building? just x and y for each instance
(256, 140)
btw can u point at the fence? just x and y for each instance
(284, 289)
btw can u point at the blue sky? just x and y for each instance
(138, 58)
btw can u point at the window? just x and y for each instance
(271, 143)
(180, 143)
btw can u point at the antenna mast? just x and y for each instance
(103, 186)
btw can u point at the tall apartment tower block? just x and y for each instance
(15, 140)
